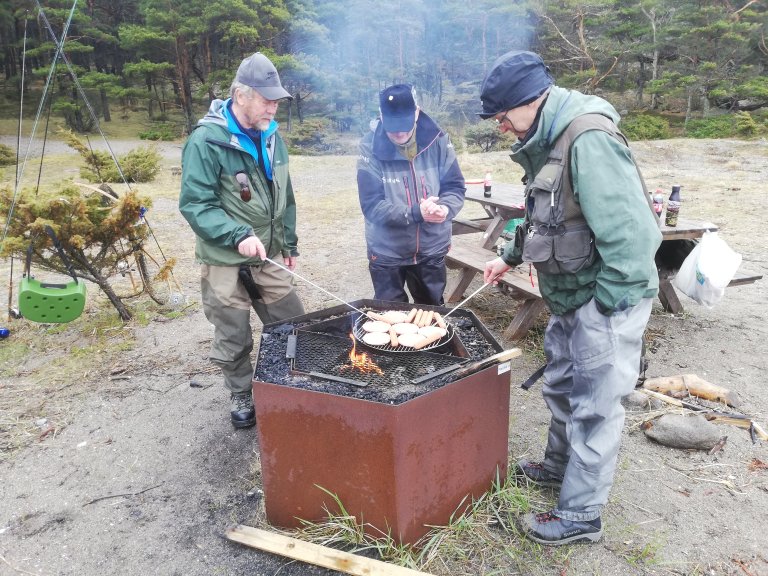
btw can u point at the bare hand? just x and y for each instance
(433, 212)
(251, 247)
(290, 262)
(494, 270)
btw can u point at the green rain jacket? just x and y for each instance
(607, 187)
(210, 198)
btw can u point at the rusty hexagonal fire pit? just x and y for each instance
(401, 450)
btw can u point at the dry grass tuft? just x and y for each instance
(483, 539)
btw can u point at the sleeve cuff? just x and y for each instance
(248, 235)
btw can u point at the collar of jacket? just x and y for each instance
(427, 133)
(560, 109)
(240, 138)
(554, 117)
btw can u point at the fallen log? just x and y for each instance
(685, 384)
(739, 420)
(315, 554)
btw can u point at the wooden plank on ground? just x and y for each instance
(315, 554)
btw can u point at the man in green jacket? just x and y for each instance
(592, 237)
(237, 196)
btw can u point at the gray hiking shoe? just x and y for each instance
(242, 412)
(551, 530)
(536, 473)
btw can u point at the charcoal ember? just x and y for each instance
(284, 329)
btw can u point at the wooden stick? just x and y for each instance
(693, 385)
(497, 358)
(315, 554)
(95, 189)
(123, 495)
(712, 415)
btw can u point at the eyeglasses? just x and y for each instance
(499, 122)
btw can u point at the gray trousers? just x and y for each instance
(592, 361)
(227, 306)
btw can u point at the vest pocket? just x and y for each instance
(563, 252)
(544, 193)
(575, 250)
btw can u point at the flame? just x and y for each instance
(361, 362)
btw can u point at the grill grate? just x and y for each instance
(318, 353)
(360, 333)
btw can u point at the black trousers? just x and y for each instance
(425, 281)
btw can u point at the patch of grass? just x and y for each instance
(641, 555)
(481, 537)
(48, 369)
(637, 550)
(12, 353)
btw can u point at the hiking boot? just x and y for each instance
(536, 473)
(241, 412)
(552, 530)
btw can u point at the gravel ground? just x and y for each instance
(142, 475)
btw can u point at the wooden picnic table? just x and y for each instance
(504, 204)
(475, 241)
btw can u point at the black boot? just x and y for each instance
(242, 412)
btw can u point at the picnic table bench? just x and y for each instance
(470, 258)
(475, 240)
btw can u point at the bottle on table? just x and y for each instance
(487, 182)
(673, 206)
(658, 202)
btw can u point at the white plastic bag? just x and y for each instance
(707, 270)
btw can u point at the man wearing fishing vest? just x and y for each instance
(590, 235)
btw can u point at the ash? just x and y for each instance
(272, 366)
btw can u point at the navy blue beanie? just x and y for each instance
(515, 79)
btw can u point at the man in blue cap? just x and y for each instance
(410, 187)
(592, 237)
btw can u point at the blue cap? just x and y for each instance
(397, 105)
(515, 79)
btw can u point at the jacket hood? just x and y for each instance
(427, 132)
(560, 109)
(215, 114)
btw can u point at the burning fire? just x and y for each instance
(361, 362)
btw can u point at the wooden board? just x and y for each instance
(315, 554)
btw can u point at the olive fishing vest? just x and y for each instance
(555, 236)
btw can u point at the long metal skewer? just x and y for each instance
(465, 299)
(315, 285)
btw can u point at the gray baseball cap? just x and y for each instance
(258, 72)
